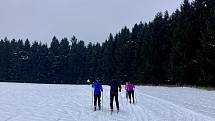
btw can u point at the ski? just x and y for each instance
(111, 112)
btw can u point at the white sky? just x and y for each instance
(88, 20)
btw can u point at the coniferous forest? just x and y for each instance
(171, 49)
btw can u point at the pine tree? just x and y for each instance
(208, 44)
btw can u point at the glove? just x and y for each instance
(119, 90)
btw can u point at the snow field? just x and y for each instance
(43, 102)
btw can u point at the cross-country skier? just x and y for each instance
(97, 93)
(114, 88)
(130, 89)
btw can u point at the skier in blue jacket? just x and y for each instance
(97, 93)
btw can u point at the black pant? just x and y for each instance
(97, 97)
(112, 96)
(131, 93)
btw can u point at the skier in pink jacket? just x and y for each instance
(129, 87)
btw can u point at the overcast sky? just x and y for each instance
(88, 20)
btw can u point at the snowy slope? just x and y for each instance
(36, 102)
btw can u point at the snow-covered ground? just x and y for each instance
(37, 102)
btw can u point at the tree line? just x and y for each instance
(171, 49)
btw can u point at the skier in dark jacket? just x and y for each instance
(114, 86)
(97, 93)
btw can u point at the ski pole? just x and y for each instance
(92, 97)
(121, 100)
(126, 94)
(102, 100)
(135, 97)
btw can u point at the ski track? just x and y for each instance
(36, 102)
(199, 101)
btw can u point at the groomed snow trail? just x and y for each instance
(42, 102)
